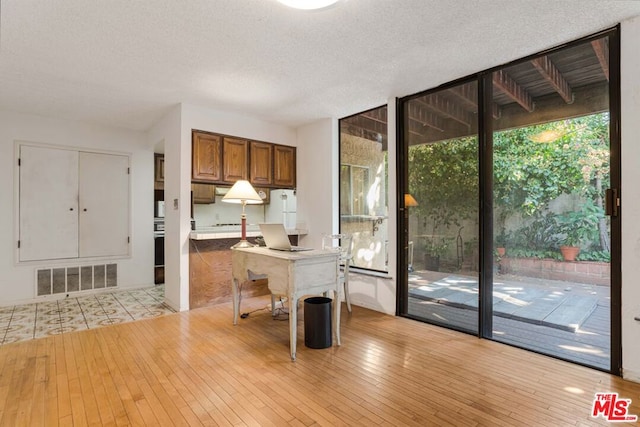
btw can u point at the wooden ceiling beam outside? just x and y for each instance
(367, 123)
(447, 108)
(417, 129)
(601, 49)
(379, 115)
(506, 84)
(554, 77)
(588, 100)
(468, 96)
(424, 117)
(363, 132)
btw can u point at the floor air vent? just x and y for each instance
(62, 280)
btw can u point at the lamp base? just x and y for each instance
(243, 244)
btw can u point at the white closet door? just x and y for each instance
(104, 205)
(48, 203)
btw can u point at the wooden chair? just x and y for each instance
(342, 243)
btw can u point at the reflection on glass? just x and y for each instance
(363, 187)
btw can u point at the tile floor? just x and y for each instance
(29, 321)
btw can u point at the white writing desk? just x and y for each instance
(291, 274)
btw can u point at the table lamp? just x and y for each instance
(409, 201)
(242, 192)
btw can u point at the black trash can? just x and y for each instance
(317, 322)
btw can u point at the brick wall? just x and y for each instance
(588, 272)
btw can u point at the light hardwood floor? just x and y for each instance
(196, 368)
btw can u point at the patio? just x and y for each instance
(563, 319)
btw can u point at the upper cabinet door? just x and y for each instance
(235, 159)
(206, 157)
(48, 203)
(203, 193)
(284, 166)
(158, 183)
(261, 162)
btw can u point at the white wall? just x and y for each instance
(166, 133)
(630, 197)
(317, 179)
(17, 282)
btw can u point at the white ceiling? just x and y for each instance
(126, 62)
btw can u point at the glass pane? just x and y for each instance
(551, 167)
(363, 187)
(442, 203)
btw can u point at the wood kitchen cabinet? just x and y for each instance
(206, 164)
(203, 193)
(284, 166)
(235, 159)
(158, 183)
(261, 163)
(223, 160)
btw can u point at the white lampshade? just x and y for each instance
(242, 191)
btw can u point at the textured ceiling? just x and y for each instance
(126, 62)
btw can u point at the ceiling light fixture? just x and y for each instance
(308, 4)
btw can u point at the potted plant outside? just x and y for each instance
(434, 248)
(579, 228)
(500, 244)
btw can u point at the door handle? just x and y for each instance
(611, 202)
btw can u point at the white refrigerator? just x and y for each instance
(282, 208)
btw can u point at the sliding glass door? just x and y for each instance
(509, 224)
(441, 204)
(551, 167)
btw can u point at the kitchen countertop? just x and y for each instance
(233, 232)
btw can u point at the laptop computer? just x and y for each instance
(275, 237)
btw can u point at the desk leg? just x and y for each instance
(236, 300)
(273, 305)
(293, 325)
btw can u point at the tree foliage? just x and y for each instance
(528, 175)
(444, 178)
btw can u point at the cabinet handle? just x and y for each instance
(85, 209)
(70, 209)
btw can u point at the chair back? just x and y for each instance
(339, 242)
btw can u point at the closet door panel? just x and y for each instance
(104, 205)
(48, 203)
